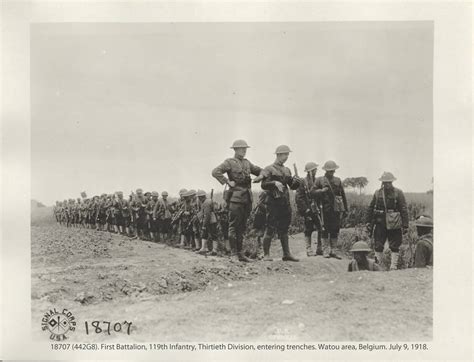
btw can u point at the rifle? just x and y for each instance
(177, 215)
(315, 211)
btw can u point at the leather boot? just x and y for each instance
(286, 249)
(379, 258)
(309, 251)
(394, 261)
(259, 248)
(319, 247)
(182, 243)
(242, 257)
(326, 248)
(197, 244)
(215, 247)
(203, 249)
(266, 248)
(332, 252)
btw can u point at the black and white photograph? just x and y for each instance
(222, 187)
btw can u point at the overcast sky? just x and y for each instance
(157, 106)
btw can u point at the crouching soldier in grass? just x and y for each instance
(359, 261)
(424, 245)
(388, 211)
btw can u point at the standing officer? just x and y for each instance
(424, 245)
(328, 189)
(277, 179)
(239, 198)
(308, 208)
(388, 212)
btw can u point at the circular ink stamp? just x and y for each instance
(58, 323)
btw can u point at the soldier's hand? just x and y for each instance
(279, 186)
(325, 189)
(231, 183)
(257, 179)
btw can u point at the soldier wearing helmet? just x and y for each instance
(276, 181)
(424, 245)
(360, 250)
(186, 220)
(138, 206)
(207, 224)
(387, 218)
(329, 192)
(153, 222)
(163, 212)
(239, 197)
(308, 209)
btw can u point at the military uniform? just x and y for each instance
(208, 225)
(308, 209)
(163, 212)
(387, 199)
(239, 197)
(360, 249)
(278, 206)
(329, 192)
(424, 251)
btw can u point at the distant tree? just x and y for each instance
(356, 182)
(361, 183)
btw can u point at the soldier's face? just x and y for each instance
(330, 173)
(313, 172)
(155, 198)
(164, 197)
(387, 185)
(283, 157)
(360, 256)
(240, 151)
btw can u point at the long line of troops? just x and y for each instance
(196, 218)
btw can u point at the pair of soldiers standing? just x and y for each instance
(322, 203)
(276, 180)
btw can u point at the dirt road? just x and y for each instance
(176, 295)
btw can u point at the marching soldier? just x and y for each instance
(277, 179)
(153, 221)
(162, 212)
(424, 245)
(360, 250)
(388, 213)
(208, 224)
(329, 190)
(239, 199)
(260, 222)
(309, 210)
(186, 219)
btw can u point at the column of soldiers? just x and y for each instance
(200, 224)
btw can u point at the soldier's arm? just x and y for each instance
(255, 170)
(370, 210)
(267, 183)
(317, 190)
(206, 211)
(402, 207)
(155, 210)
(219, 171)
(301, 200)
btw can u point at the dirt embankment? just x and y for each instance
(172, 294)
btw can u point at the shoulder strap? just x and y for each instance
(382, 190)
(330, 187)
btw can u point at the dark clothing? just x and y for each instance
(424, 251)
(240, 197)
(239, 171)
(325, 189)
(381, 234)
(370, 266)
(260, 214)
(278, 204)
(238, 215)
(395, 200)
(307, 206)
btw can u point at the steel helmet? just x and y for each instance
(330, 166)
(164, 193)
(201, 193)
(139, 191)
(119, 193)
(387, 177)
(147, 193)
(240, 144)
(190, 193)
(282, 149)
(424, 221)
(310, 166)
(182, 192)
(360, 246)
(155, 194)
